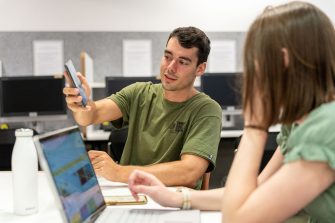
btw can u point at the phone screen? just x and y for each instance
(124, 200)
(72, 73)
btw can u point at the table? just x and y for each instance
(100, 135)
(48, 211)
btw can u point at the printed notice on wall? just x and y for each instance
(48, 57)
(222, 57)
(137, 58)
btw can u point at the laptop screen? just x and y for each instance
(73, 174)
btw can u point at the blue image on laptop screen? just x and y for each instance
(73, 175)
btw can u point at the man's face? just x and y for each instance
(179, 66)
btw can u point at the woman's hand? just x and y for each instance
(145, 183)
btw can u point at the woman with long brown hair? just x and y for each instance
(289, 78)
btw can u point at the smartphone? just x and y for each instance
(125, 200)
(75, 82)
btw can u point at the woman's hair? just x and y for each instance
(189, 37)
(289, 91)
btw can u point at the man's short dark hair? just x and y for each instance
(189, 37)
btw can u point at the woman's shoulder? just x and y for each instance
(326, 109)
(314, 138)
(321, 118)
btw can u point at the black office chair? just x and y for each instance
(270, 147)
(116, 142)
(7, 141)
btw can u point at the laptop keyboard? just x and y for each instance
(131, 216)
(145, 216)
(123, 215)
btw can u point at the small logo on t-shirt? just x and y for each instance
(178, 127)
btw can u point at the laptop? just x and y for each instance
(64, 158)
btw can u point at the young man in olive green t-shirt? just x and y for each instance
(174, 130)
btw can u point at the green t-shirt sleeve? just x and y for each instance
(123, 100)
(313, 140)
(204, 136)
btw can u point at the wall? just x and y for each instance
(99, 26)
(132, 15)
(16, 49)
(16, 54)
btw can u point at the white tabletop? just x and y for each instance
(102, 135)
(48, 211)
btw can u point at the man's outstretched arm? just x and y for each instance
(184, 172)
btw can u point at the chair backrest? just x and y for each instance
(205, 181)
(117, 140)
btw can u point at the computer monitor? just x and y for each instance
(115, 84)
(32, 98)
(224, 88)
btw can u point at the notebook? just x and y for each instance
(63, 157)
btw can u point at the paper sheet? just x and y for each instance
(137, 58)
(222, 57)
(48, 57)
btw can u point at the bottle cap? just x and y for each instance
(24, 132)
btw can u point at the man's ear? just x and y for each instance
(285, 57)
(201, 69)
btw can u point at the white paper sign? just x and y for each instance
(137, 58)
(48, 57)
(222, 57)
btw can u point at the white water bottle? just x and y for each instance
(24, 170)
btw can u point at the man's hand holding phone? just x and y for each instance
(78, 92)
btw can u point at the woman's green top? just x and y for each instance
(313, 140)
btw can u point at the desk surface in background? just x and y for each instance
(102, 135)
(48, 211)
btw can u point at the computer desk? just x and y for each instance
(48, 211)
(104, 136)
(101, 135)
